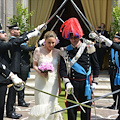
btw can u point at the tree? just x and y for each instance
(115, 25)
(22, 17)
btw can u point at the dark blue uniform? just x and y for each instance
(112, 71)
(24, 69)
(15, 54)
(79, 80)
(4, 58)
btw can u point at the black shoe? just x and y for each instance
(112, 107)
(14, 115)
(24, 104)
(118, 118)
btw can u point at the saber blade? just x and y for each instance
(82, 15)
(82, 19)
(55, 12)
(57, 20)
(87, 101)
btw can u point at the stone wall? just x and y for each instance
(8, 8)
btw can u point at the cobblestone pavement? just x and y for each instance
(102, 112)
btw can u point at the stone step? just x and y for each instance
(32, 71)
(101, 89)
(102, 94)
(29, 92)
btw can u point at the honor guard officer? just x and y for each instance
(15, 53)
(75, 68)
(114, 66)
(114, 61)
(5, 73)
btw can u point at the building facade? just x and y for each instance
(8, 8)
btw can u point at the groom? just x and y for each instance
(75, 68)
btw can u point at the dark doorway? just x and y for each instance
(68, 13)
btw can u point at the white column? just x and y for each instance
(3, 12)
(118, 2)
(25, 3)
(8, 9)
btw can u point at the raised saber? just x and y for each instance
(58, 19)
(55, 13)
(82, 15)
(87, 101)
(82, 19)
(78, 102)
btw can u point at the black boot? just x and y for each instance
(23, 104)
(118, 118)
(21, 101)
(113, 106)
(14, 115)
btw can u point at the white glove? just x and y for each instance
(106, 40)
(93, 86)
(33, 34)
(41, 41)
(69, 88)
(89, 42)
(93, 35)
(41, 27)
(16, 80)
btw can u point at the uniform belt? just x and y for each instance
(77, 79)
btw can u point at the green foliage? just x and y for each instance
(115, 25)
(22, 17)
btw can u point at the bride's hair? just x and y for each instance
(50, 34)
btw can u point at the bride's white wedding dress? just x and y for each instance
(45, 104)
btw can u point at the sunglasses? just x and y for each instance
(2, 31)
(16, 29)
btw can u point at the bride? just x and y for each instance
(46, 81)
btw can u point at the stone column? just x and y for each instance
(8, 9)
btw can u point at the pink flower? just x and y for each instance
(45, 67)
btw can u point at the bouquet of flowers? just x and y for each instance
(45, 67)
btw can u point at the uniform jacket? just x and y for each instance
(4, 56)
(25, 56)
(86, 60)
(116, 47)
(4, 71)
(16, 53)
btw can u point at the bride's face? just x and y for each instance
(50, 43)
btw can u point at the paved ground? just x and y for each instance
(102, 112)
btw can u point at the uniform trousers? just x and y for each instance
(79, 92)
(3, 89)
(23, 75)
(11, 100)
(119, 102)
(113, 87)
